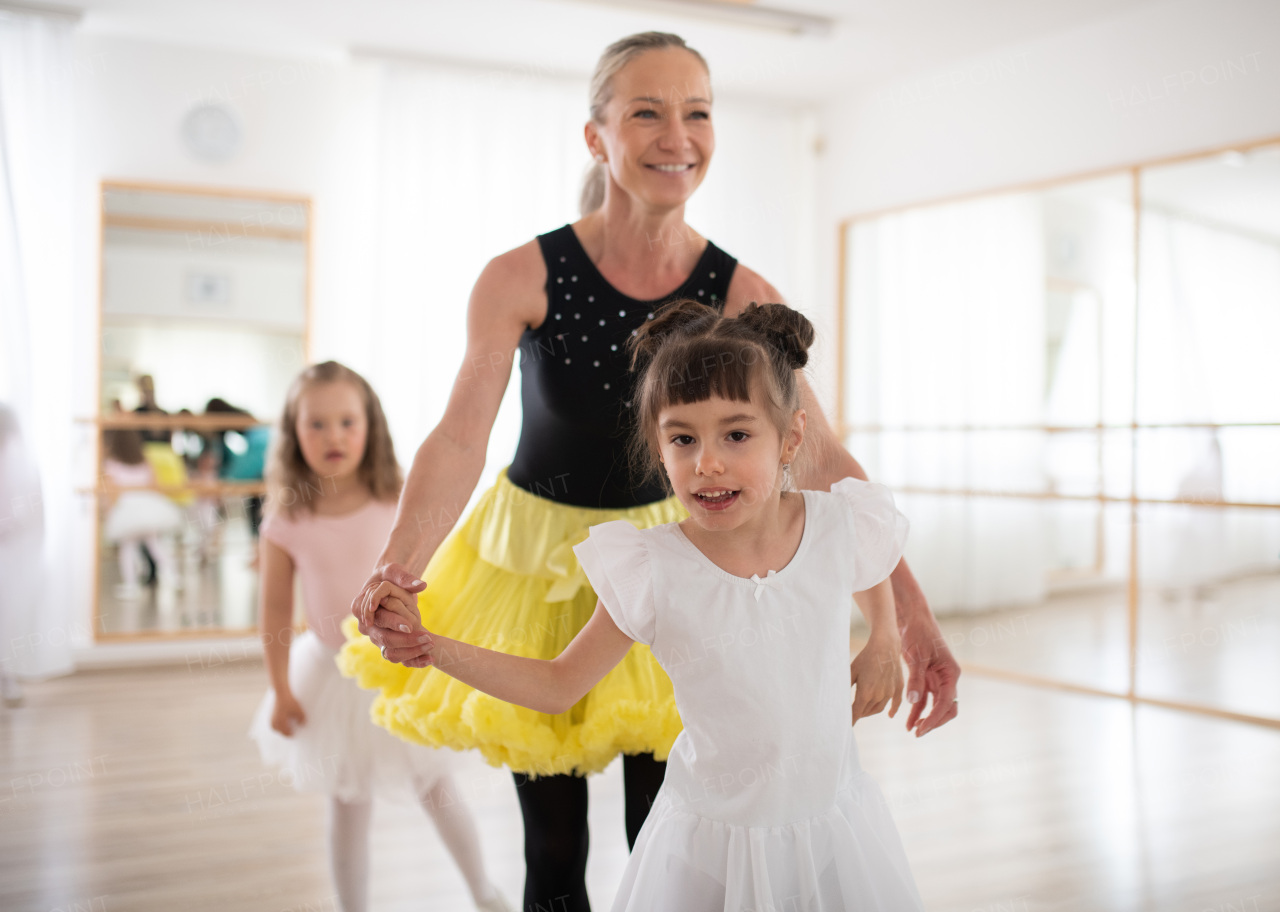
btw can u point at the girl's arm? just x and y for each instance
(544, 686)
(877, 668)
(877, 607)
(275, 620)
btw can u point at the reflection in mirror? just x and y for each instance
(1088, 460)
(1208, 376)
(989, 344)
(204, 325)
(203, 558)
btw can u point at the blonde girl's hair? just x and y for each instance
(291, 485)
(125, 445)
(614, 58)
(689, 352)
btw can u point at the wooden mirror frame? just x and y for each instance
(102, 422)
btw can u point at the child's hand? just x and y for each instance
(419, 655)
(288, 714)
(876, 671)
(388, 597)
(387, 579)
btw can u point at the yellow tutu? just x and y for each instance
(507, 579)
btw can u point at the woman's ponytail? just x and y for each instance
(593, 181)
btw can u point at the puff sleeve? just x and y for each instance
(615, 558)
(878, 530)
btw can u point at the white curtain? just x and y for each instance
(1209, 325)
(946, 328)
(465, 165)
(36, 376)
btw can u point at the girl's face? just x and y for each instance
(725, 458)
(657, 137)
(332, 429)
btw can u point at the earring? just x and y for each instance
(599, 157)
(786, 477)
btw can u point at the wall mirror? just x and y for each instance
(204, 322)
(1208, 439)
(1071, 388)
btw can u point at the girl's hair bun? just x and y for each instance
(786, 330)
(685, 316)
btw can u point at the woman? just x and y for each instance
(508, 578)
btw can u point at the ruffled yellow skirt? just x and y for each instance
(507, 579)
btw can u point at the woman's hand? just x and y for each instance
(876, 672)
(288, 714)
(933, 671)
(387, 613)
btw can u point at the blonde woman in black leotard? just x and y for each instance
(506, 577)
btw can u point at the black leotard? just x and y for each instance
(576, 390)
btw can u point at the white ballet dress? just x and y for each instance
(765, 806)
(137, 513)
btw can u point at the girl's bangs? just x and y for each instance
(698, 369)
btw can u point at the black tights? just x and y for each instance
(555, 831)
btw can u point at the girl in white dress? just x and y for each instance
(746, 607)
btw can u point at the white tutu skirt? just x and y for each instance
(136, 514)
(339, 751)
(846, 859)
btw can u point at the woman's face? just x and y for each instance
(657, 137)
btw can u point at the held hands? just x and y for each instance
(387, 613)
(876, 673)
(287, 715)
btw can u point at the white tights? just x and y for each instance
(130, 558)
(349, 843)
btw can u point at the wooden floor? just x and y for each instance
(139, 790)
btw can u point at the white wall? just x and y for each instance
(1159, 80)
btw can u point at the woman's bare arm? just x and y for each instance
(507, 298)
